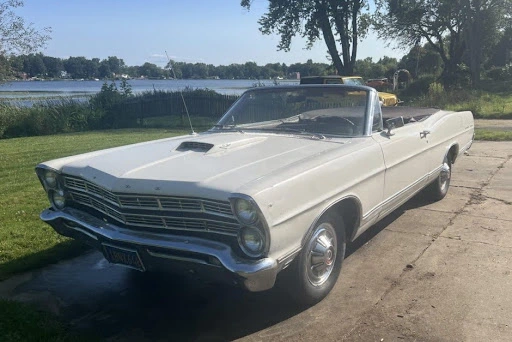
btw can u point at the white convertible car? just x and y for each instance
(277, 188)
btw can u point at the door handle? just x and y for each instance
(424, 134)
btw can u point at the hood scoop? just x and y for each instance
(194, 146)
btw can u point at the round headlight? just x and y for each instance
(58, 199)
(252, 241)
(245, 211)
(50, 178)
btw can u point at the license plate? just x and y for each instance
(123, 256)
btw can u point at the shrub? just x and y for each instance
(436, 93)
(49, 117)
(500, 73)
(8, 115)
(419, 87)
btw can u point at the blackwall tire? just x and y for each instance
(438, 189)
(315, 271)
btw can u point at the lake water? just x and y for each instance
(22, 90)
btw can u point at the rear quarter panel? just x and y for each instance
(448, 129)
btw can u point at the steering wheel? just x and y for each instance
(333, 118)
(345, 119)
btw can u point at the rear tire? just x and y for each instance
(315, 271)
(438, 189)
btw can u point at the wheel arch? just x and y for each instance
(349, 209)
(453, 152)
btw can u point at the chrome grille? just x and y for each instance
(96, 204)
(180, 203)
(85, 186)
(217, 207)
(139, 202)
(155, 211)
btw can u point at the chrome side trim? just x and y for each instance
(287, 258)
(467, 146)
(398, 195)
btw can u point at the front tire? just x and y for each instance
(438, 189)
(316, 270)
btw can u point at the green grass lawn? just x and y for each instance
(493, 135)
(493, 100)
(486, 106)
(25, 241)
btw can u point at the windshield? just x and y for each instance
(327, 110)
(353, 81)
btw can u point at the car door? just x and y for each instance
(407, 163)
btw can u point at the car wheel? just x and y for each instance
(318, 266)
(438, 189)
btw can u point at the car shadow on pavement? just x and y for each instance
(156, 306)
(415, 202)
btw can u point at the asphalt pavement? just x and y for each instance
(428, 272)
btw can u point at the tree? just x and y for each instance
(150, 70)
(309, 68)
(76, 67)
(422, 60)
(483, 20)
(439, 22)
(34, 65)
(16, 36)
(451, 28)
(91, 67)
(336, 21)
(104, 69)
(251, 70)
(502, 53)
(116, 65)
(54, 66)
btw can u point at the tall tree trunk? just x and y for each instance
(341, 14)
(473, 39)
(355, 37)
(330, 41)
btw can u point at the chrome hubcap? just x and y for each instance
(321, 254)
(444, 177)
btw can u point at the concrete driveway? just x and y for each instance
(429, 272)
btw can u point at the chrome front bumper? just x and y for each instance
(217, 257)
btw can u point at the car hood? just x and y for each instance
(190, 165)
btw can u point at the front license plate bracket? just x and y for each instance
(123, 256)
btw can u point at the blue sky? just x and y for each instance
(209, 31)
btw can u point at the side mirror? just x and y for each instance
(394, 123)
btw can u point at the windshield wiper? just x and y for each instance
(301, 131)
(290, 118)
(232, 126)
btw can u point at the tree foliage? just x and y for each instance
(340, 23)
(459, 31)
(483, 22)
(17, 36)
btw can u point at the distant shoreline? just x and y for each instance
(17, 90)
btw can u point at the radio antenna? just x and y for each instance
(181, 93)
